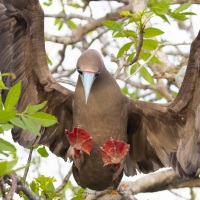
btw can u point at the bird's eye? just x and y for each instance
(80, 71)
(97, 74)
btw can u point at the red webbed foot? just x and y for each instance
(113, 152)
(80, 141)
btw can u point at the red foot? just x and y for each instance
(80, 140)
(113, 152)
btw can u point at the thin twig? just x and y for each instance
(21, 186)
(13, 186)
(138, 69)
(138, 48)
(28, 163)
(121, 64)
(79, 33)
(178, 195)
(97, 37)
(3, 189)
(126, 194)
(66, 82)
(70, 16)
(62, 55)
(175, 44)
(65, 180)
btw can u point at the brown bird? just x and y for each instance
(102, 130)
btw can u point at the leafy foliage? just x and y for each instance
(143, 40)
(29, 120)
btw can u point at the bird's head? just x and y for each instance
(89, 67)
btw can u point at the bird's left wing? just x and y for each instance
(22, 52)
(168, 135)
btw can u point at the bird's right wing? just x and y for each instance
(22, 52)
(168, 135)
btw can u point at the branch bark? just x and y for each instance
(159, 181)
(80, 32)
(21, 186)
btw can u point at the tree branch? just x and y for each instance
(70, 16)
(21, 186)
(163, 180)
(65, 180)
(28, 163)
(80, 32)
(3, 188)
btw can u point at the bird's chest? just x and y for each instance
(102, 121)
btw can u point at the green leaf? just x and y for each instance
(125, 90)
(1, 103)
(6, 167)
(60, 25)
(6, 115)
(112, 25)
(1, 130)
(30, 126)
(144, 56)
(182, 7)
(48, 3)
(6, 146)
(34, 108)
(6, 127)
(48, 60)
(130, 33)
(164, 18)
(13, 96)
(34, 187)
(160, 7)
(119, 34)
(152, 32)
(178, 16)
(134, 19)
(71, 24)
(18, 122)
(130, 57)
(57, 21)
(43, 119)
(150, 44)
(126, 14)
(125, 33)
(188, 13)
(46, 183)
(43, 152)
(2, 86)
(12, 75)
(174, 93)
(75, 5)
(124, 48)
(134, 68)
(145, 74)
(80, 194)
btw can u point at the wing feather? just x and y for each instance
(169, 135)
(22, 52)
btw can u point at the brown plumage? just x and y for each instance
(158, 135)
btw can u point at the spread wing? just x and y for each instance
(22, 52)
(168, 135)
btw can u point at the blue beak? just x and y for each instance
(87, 80)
